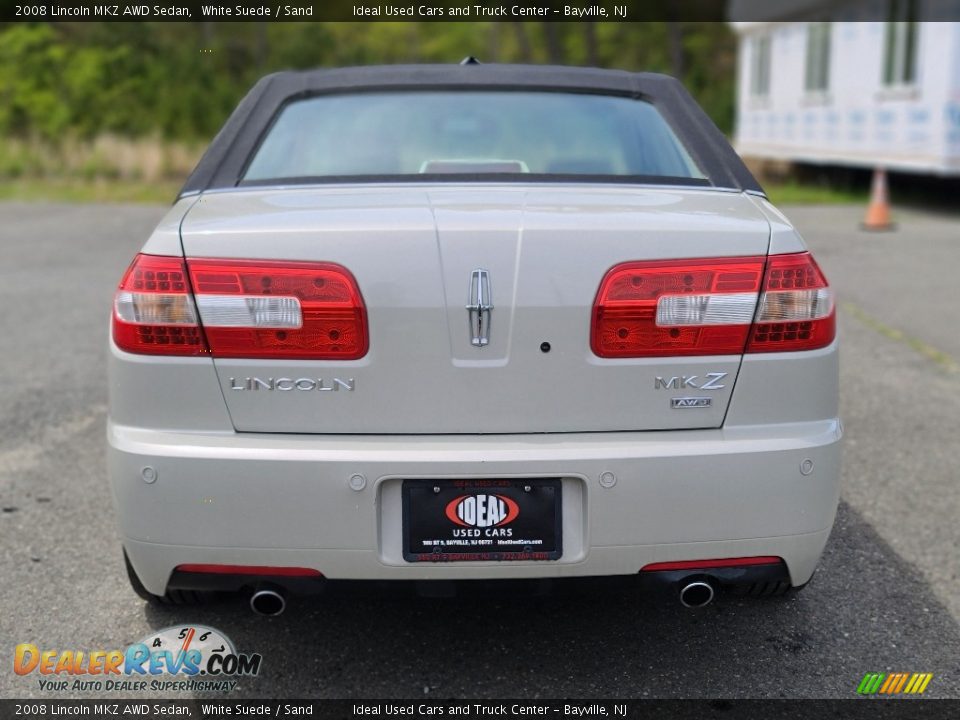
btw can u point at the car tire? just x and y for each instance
(172, 597)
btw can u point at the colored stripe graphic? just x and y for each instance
(901, 682)
(894, 683)
(870, 683)
(890, 682)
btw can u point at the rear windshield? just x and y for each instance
(430, 133)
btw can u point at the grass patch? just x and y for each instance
(83, 191)
(108, 168)
(794, 193)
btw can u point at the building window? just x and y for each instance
(900, 45)
(818, 58)
(760, 67)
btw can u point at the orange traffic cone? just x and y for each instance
(878, 211)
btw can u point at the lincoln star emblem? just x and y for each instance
(479, 307)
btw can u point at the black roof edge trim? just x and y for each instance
(491, 177)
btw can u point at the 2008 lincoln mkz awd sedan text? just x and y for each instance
(472, 322)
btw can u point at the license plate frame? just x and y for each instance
(437, 527)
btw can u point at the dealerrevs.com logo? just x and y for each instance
(179, 658)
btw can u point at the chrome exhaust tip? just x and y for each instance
(268, 602)
(696, 594)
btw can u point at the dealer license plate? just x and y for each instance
(475, 520)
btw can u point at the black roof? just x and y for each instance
(223, 164)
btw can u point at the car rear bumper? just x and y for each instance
(288, 500)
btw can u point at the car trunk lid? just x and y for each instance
(416, 253)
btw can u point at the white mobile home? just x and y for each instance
(863, 83)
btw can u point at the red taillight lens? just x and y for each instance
(676, 307)
(153, 311)
(712, 307)
(284, 310)
(796, 309)
(706, 564)
(250, 570)
(247, 309)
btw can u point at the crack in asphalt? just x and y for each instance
(939, 357)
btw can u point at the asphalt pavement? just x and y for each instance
(884, 599)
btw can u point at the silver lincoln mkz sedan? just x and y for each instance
(443, 323)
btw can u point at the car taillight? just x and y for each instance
(796, 309)
(247, 309)
(153, 311)
(284, 310)
(676, 307)
(712, 307)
